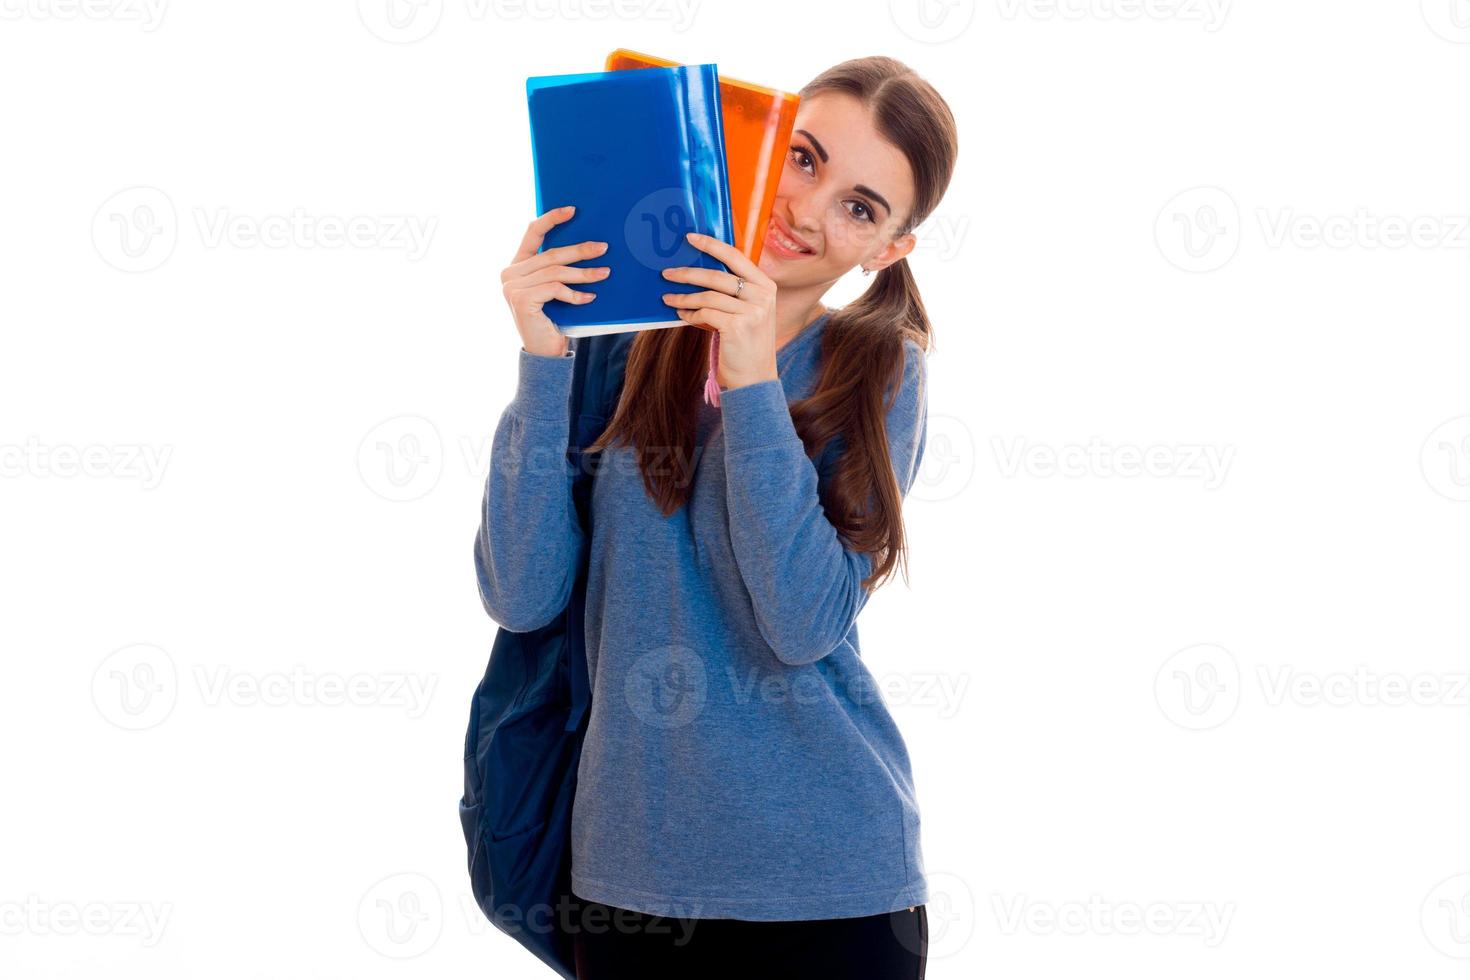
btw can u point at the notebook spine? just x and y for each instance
(709, 185)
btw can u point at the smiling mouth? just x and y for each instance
(783, 241)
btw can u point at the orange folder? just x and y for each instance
(758, 124)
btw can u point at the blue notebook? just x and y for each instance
(641, 154)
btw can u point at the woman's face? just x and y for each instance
(844, 192)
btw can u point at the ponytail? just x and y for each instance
(863, 361)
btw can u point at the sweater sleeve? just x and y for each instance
(804, 583)
(530, 540)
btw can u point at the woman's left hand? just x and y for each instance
(746, 323)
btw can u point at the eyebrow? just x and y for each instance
(860, 188)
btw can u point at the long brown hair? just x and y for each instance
(862, 345)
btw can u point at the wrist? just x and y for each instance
(543, 352)
(742, 381)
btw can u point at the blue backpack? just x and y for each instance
(529, 715)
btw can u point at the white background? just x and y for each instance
(1227, 698)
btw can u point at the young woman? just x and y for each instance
(744, 801)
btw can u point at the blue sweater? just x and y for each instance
(739, 761)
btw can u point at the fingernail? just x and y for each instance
(693, 235)
(569, 209)
(604, 271)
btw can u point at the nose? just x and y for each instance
(803, 213)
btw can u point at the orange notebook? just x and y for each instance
(758, 125)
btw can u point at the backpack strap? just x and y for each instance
(597, 383)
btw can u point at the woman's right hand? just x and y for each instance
(535, 278)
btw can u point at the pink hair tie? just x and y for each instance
(712, 383)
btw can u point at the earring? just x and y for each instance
(867, 271)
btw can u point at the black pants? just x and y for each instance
(613, 944)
